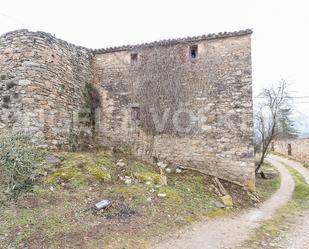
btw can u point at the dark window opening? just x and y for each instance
(135, 111)
(134, 58)
(193, 52)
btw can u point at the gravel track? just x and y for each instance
(232, 231)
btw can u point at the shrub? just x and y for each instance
(18, 162)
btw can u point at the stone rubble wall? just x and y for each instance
(165, 77)
(300, 148)
(42, 84)
(42, 80)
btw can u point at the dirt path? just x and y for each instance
(230, 232)
(298, 236)
(297, 166)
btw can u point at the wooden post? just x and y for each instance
(272, 148)
(289, 149)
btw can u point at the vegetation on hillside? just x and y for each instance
(57, 192)
(59, 208)
(19, 162)
(60, 205)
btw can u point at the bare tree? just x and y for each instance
(274, 101)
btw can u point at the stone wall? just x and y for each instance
(300, 148)
(210, 98)
(42, 79)
(156, 99)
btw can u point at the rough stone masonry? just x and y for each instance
(187, 102)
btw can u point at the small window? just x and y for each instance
(134, 58)
(193, 51)
(135, 114)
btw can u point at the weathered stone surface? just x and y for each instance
(214, 89)
(42, 83)
(47, 78)
(299, 148)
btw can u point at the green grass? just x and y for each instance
(267, 187)
(27, 222)
(284, 217)
(57, 209)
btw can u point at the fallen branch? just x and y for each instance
(220, 186)
(212, 175)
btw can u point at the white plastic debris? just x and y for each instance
(102, 204)
(161, 195)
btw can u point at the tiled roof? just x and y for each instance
(174, 41)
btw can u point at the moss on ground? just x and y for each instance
(80, 168)
(150, 177)
(128, 191)
(98, 173)
(65, 175)
(284, 217)
(60, 207)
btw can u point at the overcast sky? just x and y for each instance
(280, 42)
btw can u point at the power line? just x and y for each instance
(288, 97)
(12, 18)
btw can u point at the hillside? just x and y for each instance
(146, 203)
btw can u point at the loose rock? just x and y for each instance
(162, 165)
(120, 163)
(178, 170)
(219, 204)
(227, 200)
(168, 170)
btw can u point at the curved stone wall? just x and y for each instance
(42, 80)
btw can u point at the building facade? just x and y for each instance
(187, 102)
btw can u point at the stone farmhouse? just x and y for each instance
(182, 101)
